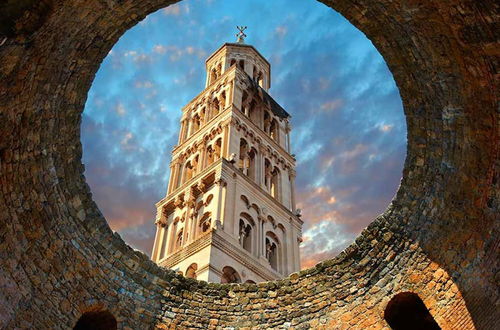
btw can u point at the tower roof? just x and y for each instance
(237, 45)
(266, 98)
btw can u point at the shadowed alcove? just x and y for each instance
(437, 239)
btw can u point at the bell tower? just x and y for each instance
(229, 213)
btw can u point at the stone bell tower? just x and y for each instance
(229, 214)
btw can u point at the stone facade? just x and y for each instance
(439, 237)
(231, 221)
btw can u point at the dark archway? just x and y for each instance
(406, 311)
(96, 320)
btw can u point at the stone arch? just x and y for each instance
(274, 130)
(443, 65)
(179, 239)
(196, 123)
(209, 199)
(230, 275)
(275, 183)
(252, 167)
(222, 100)
(218, 149)
(245, 200)
(273, 251)
(246, 229)
(191, 271)
(205, 223)
(243, 155)
(406, 311)
(96, 320)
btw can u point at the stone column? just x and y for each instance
(221, 183)
(288, 146)
(159, 237)
(190, 205)
(201, 153)
(181, 132)
(173, 173)
(162, 253)
(292, 189)
(258, 232)
(225, 142)
(171, 233)
(157, 243)
(262, 166)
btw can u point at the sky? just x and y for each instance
(349, 130)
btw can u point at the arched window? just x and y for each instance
(272, 250)
(217, 149)
(191, 271)
(233, 62)
(407, 311)
(251, 172)
(241, 64)
(222, 101)
(196, 122)
(178, 241)
(213, 75)
(251, 111)
(203, 116)
(245, 235)
(188, 171)
(273, 130)
(97, 320)
(229, 275)
(205, 223)
(267, 175)
(215, 107)
(260, 79)
(210, 155)
(254, 73)
(219, 70)
(243, 155)
(267, 122)
(246, 226)
(275, 181)
(244, 97)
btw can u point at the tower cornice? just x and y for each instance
(232, 44)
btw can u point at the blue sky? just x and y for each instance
(349, 131)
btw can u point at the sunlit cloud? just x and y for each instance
(332, 105)
(349, 132)
(120, 110)
(172, 10)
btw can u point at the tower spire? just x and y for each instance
(241, 35)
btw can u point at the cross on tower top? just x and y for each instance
(241, 35)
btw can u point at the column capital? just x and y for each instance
(221, 182)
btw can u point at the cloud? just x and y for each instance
(143, 84)
(386, 127)
(172, 10)
(120, 110)
(281, 31)
(349, 131)
(333, 105)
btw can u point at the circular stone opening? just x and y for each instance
(348, 127)
(436, 239)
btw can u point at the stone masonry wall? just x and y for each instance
(438, 238)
